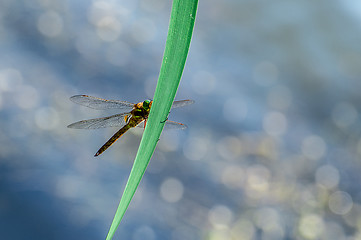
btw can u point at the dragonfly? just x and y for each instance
(131, 115)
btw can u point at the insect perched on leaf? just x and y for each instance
(132, 115)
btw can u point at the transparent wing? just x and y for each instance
(182, 103)
(168, 125)
(141, 124)
(174, 125)
(99, 103)
(111, 121)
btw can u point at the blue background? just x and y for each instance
(273, 145)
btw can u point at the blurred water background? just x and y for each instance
(273, 145)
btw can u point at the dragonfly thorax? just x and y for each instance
(139, 112)
(141, 109)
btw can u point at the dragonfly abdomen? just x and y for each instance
(132, 123)
(112, 140)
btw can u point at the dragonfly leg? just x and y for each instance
(164, 120)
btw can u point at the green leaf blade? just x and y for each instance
(175, 55)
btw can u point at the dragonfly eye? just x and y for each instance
(146, 104)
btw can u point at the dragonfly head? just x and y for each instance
(147, 104)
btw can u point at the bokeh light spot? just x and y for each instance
(26, 97)
(229, 147)
(87, 44)
(311, 226)
(144, 233)
(171, 190)
(220, 216)
(102, 9)
(143, 30)
(195, 148)
(219, 234)
(352, 218)
(50, 24)
(328, 176)
(46, 118)
(233, 177)
(275, 123)
(334, 231)
(313, 147)
(108, 29)
(168, 142)
(10, 79)
(243, 229)
(257, 181)
(99, 10)
(268, 219)
(68, 186)
(235, 110)
(340, 202)
(153, 5)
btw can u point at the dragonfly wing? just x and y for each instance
(177, 104)
(99, 103)
(174, 125)
(168, 125)
(141, 124)
(111, 121)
